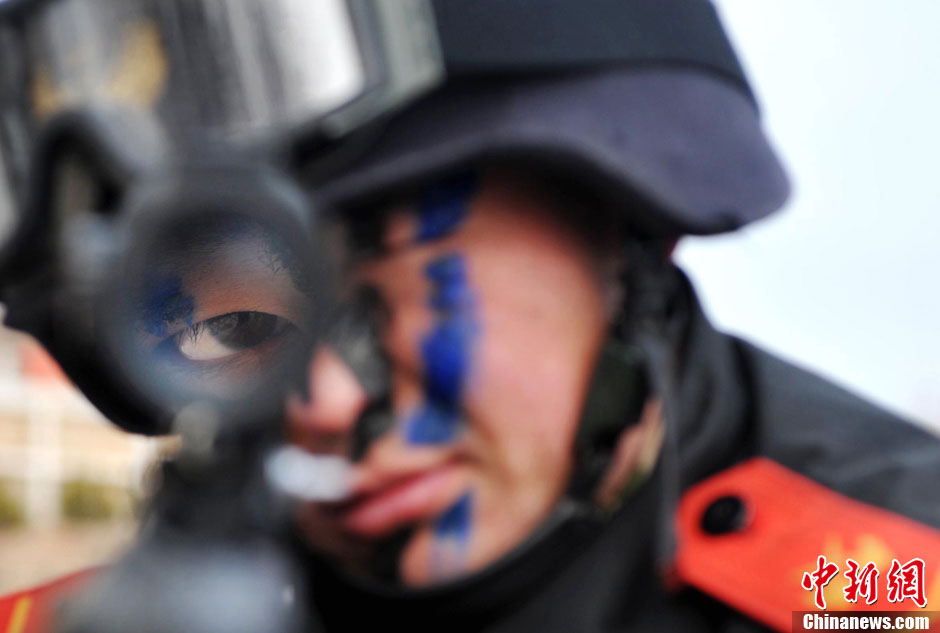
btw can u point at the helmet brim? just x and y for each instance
(686, 147)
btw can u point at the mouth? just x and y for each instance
(396, 502)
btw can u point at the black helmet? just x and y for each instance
(644, 101)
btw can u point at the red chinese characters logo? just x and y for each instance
(819, 579)
(907, 581)
(862, 582)
(903, 581)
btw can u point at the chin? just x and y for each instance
(425, 562)
(416, 565)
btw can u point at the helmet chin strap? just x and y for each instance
(623, 380)
(637, 362)
(615, 400)
(655, 319)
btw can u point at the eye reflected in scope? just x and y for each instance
(221, 307)
(225, 336)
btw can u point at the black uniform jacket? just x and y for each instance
(738, 403)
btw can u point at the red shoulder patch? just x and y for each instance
(32, 611)
(767, 526)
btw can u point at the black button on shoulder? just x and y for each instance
(725, 515)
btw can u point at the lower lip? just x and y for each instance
(414, 499)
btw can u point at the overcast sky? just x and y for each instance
(844, 280)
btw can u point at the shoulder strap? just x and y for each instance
(747, 536)
(32, 611)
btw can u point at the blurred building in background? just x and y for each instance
(70, 483)
(54, 445)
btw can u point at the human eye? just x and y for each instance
(227, 337)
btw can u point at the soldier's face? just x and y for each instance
(496, 310)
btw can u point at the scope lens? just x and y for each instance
(221, 307)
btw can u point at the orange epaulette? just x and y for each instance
(747, 536)
(33, 611)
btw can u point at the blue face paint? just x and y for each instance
(444, 206)
(451, 294)
(446, 353)
(452, 537)
(164, 304)
(446, 360)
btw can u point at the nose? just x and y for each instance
(324, 423)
